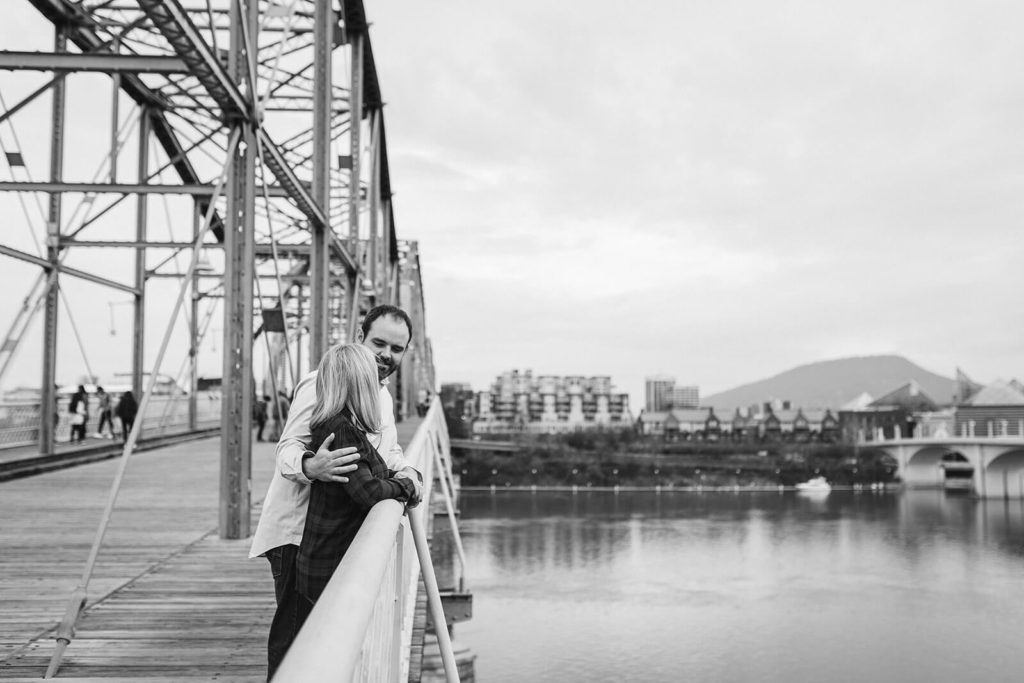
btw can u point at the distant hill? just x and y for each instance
(831, 383)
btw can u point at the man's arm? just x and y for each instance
(395, 458)
(325, 465)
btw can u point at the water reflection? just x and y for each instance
(677, 582)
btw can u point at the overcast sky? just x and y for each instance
(715, 190)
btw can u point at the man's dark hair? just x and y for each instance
(380, 312)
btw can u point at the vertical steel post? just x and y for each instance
(354, 189)
(239, 254)
(193, 332)
(48, 417)
(386, 278)
(355, 129)
(374, 200)
(141, 215)
(323, 42)
(298, 334)
(115, 114)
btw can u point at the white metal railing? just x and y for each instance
(361, 627)
(165, 414)
(19, 424)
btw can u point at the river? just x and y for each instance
(852, 586)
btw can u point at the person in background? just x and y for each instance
(106, 420)
(283, 404)
(78, 407)
(259, 415)
(126, 411)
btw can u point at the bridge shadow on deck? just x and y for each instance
(169, 600)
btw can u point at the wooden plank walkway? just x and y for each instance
(169, 601)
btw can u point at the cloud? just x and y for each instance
(720, 190)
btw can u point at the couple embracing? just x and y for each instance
(338, 456)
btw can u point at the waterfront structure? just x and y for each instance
(890, 416)
(661, 394)
(548, 404)
(675, 423)
(745, 425)
(995, 410)
(457, 398)
(656, 392)
(459, 404)
(684, 396)
(995, 464)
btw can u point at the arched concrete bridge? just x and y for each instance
(998, 462)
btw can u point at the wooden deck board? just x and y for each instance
(169, 600)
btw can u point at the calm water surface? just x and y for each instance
(913, 586)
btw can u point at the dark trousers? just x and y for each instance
(105, 420)
(292, 608)
(78, 432)
(126, 427)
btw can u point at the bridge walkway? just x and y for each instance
(169, 601)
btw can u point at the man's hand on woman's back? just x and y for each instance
(328, 465)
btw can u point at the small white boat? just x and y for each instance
(815, 485)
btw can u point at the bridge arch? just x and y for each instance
(924, 467)
(1003, 475)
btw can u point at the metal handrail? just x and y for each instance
(361, 626)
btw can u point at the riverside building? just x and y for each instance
(548, 404)
(661, 394)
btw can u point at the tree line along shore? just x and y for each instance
(623, 459)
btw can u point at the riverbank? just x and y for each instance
(870, 488)
(679, 466)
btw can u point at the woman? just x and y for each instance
(127, 408)
(347, 406)
(79, 410)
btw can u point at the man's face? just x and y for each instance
(388, 338)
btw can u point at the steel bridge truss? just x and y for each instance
(266, 116)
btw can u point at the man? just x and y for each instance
(105, 414)
(387, 332)
(259, 415)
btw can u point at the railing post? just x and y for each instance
(444, 641)
(450, 508)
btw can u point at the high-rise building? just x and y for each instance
(661, 394)
(684, 397)
(657, 390)
(518, 401)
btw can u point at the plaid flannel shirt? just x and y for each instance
(336, 511)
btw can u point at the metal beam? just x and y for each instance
(239, 236)
(66, 243)
(374, 203)
(124, 188)
(106, 63)
(82, 31)
(355, 151)
(355, 146)
(65, 270)
(47, 418)
(141, 219)
(173, 22)
(322, 233)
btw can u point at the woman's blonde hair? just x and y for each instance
(347, 378)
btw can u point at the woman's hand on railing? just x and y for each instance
(413, 475)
